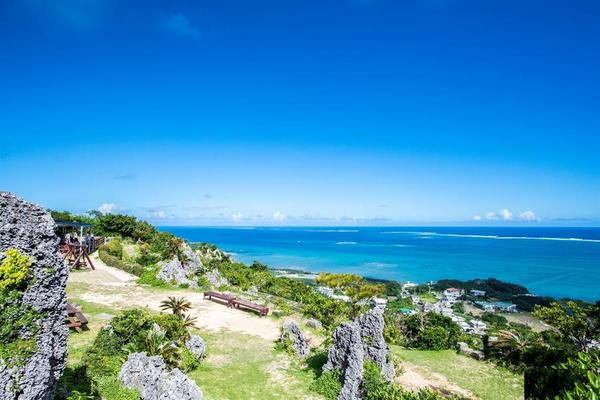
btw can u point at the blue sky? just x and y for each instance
(329, 112)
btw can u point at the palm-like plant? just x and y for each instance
(177, 305)
(189, 321)
(514, 344)
(157, 344)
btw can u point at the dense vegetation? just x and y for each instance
(131, 331)
(18, 321)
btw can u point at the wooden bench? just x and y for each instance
(75, 318)
(218, 295)
(262, 311)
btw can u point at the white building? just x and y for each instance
(477, 293)
(378, 303)
(453, 293)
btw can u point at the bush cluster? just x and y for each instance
(113, 261)
(19, 322)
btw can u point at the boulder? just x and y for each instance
(182, 273)
(30, 229)
(314, 323)
(215, 278)
(150, 376)
(464, 348)
(197, 346)
(353, 344)
(292, 332)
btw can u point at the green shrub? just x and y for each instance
(14, 269)
(203, 283)
(189, 361)
(115, 247)
(328, 384)
(112, 261)
(149, 277)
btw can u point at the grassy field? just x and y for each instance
(483, 379)
(238, 366)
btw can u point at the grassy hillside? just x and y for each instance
(484, 380)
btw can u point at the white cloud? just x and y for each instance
(181, 25)
(107, 208)
(237, 217)
(492, 216)
(528, 216)
(505, 214)
(279, 216)
(476, 217)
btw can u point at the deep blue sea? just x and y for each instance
(558, 262)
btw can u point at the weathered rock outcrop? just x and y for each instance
(154, 381)
(215, 278)
(188, 271)
(197, 346)
(30, 229)
(292, 332)
(182, 273)
(314, 323)
(353, 344)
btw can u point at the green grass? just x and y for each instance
(246, 367)
(483, 379)
(428, 297)
(238, 366)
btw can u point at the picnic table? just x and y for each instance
(262, 311)
(218, 295)
(76, 256)
(75, 318)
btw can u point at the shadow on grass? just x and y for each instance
(316, 361)
(75, 384)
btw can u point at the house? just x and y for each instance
(453, 293)
(378, 303)
(409, 285)
(478, 327)
(327, 291)
(477, 293)
(504, 306)
(486, 306)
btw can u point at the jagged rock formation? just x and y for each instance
(188, 271)
(314, 323)
(197, 346)
(353, 344)
(292, 332)
(182, 273)
(154, 381)
(215, 278)
(31, 230)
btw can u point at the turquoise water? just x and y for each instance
(558, 262)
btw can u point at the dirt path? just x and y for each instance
(415, 378)
(116, 288)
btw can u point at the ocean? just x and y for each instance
(557, 262)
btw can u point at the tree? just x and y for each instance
(511, 345)
(354, 286)
(177, 305)
(574, 322)
(586, 370)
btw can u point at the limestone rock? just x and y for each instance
(154, 381)
(314, 323)
(182, 273)
(30, 229)
(291, 331)
(372, 325)
(347, 355)
(353, 344)
(215, 278)
(197, 346)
